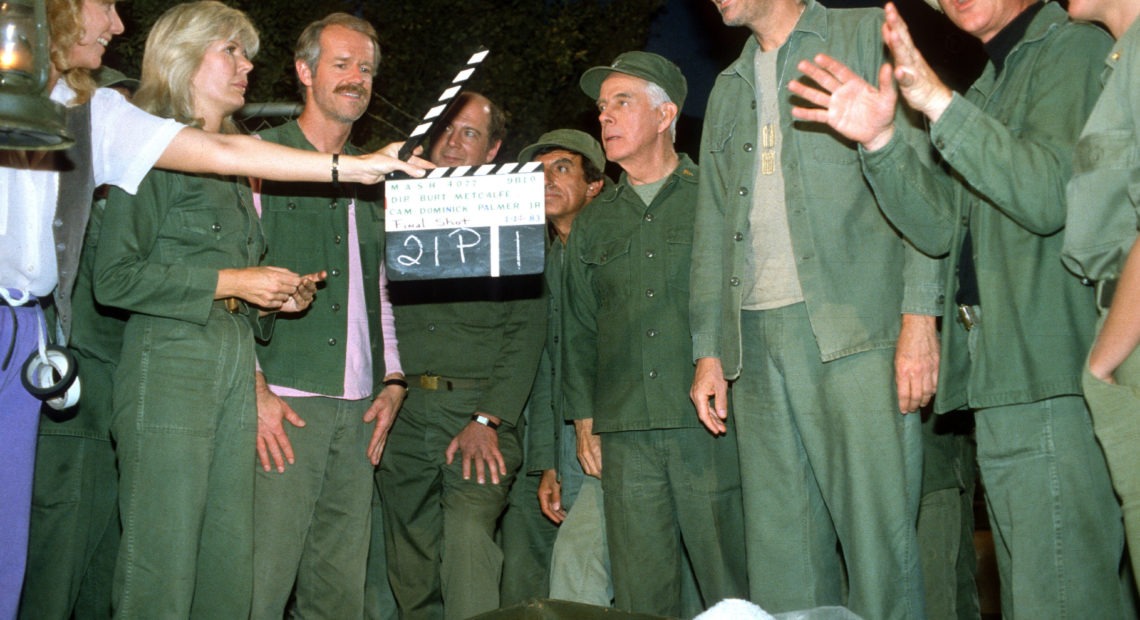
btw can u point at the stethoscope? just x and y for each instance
(50, 372)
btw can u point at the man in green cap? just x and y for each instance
(573, 164)
(671, 489)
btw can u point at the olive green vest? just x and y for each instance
(306, 225)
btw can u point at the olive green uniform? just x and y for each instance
(1103, 198)
(826, 459)
(468, 345)
(314, 519)
(185, 415)
(671, 489)
(1009, 141)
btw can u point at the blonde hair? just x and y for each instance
(174, 50)
(65, 21)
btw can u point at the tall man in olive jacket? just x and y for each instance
(997, 208)
(325, 370)
(821, 314)
(670, 488)
(471, 348)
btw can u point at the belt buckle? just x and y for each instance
(233, 305)
(966, 317)
(429, 382)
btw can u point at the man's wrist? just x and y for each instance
(490, 422)
(880, 140)
(397, 381)
(938, 104)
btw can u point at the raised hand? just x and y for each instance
(919, 85)
(846, 102)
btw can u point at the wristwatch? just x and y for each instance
(484, 420)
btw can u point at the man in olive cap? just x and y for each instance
(575, 565)
(671, 489)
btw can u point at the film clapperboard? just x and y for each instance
(468, 221)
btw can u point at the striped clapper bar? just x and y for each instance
(466, 222)
(437, 111)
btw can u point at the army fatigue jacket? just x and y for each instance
(306, 225)
(626, 339)
(160, 250)
(546, 407)
(488, 329)
(857, 274)
(1104, 193)
(1009, 142)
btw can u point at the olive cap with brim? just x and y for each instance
(645, 65)
(106, 77)
(572, 140)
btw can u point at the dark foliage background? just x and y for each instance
(538, 50)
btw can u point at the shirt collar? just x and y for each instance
(999, 47)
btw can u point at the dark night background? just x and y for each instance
(538, 50)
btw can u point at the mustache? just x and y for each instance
(351, 88)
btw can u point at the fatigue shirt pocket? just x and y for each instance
(679, 256)
(609, 267)
(282, 218)
(1105, 150)
(204, 235)
(724, 165)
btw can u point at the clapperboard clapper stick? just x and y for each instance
(467, 221)
(439, 110)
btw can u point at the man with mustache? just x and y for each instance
(333, 372)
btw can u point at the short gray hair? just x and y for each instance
(658, 96)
